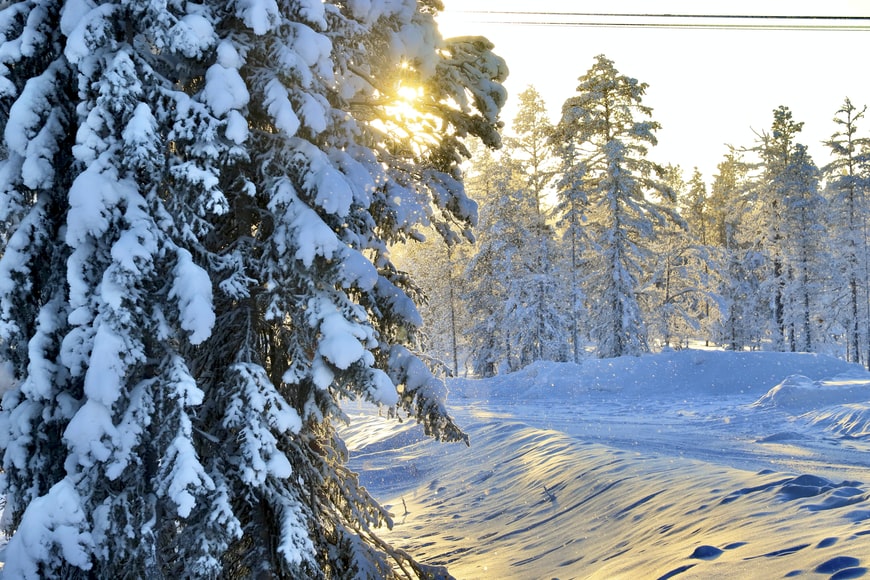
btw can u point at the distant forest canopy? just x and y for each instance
(584, 247)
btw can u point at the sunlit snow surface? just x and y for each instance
(690, 464)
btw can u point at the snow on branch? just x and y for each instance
(192, 288)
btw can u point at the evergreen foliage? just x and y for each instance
(848, 176)
(786, 211)
(197, 204)
(623, 191)
(774, 256)
(737, 292)
(700, 218)
(806, 253)
(535, 304)
(499, 261)
(673, 285)
(518, 312)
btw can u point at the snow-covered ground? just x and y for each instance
(689, 464)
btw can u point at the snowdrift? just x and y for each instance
(695, 464)
(798, 392)
(690, 372)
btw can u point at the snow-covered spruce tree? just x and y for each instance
(570, 211)
(768, 215)
(696, 210)
(511, 284)
(622, 189)
(491, 271)
(531, 147)
(848, 183)
(740, 303)
(808, 260)
(786, 188)
(536, 313)
(197, 203)
(672, 293)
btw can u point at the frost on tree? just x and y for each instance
(737, 292)
(787, 232)
(608, 182)
(512, 280)
(673, 275)
(197, 203)
(848, 179)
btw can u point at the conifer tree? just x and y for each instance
(806, 214)
(672, 293)
(513, 279)
(490, 271)
(538, 320)
(739, 301)
(530, 145)
(198, 202)
(571, 209)
(777, 149)
(606, 144)
(788, 185)
(848, 175)
(695, 208)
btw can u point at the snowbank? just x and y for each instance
(800, 393)
(688, 372)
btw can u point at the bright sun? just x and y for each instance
(406, 121)
(405, 106)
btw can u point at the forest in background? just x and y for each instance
(585, 247)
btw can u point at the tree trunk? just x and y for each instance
(452, 297)
(779, 305)
(854, 353)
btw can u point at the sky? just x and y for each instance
(708, 87)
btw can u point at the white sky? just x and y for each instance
(708, 87)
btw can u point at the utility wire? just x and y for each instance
(748, 22)
(674, 26)
(666, 15)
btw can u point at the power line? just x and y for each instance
(666, 15)
(675, 26)
(695, 21)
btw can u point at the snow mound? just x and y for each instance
(371, 434)
(687, 372)
(539, 380)
(798, 392)
(851, 420)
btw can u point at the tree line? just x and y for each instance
(585, 247)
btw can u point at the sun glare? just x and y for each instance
(405, 120)
(409, 93)
(405, 106)
(408, 117)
